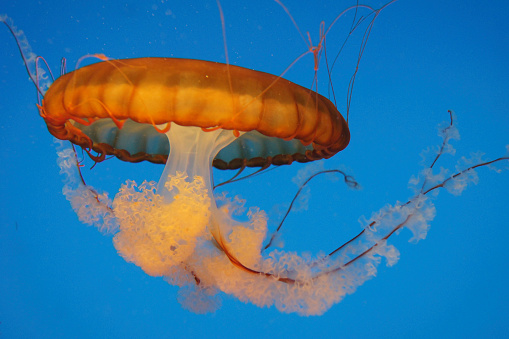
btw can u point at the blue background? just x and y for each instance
(59, 278)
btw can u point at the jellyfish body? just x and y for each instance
(198, 114)
(211, 114)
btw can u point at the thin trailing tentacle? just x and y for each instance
(349, 180)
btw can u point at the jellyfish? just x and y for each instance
(209, 113)
(192, 115)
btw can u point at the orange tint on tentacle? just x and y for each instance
(164, 130)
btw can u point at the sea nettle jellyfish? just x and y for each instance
(191, 115)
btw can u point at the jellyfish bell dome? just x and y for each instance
(284, 122)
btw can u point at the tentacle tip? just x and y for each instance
(101, 56)
(163, 130)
